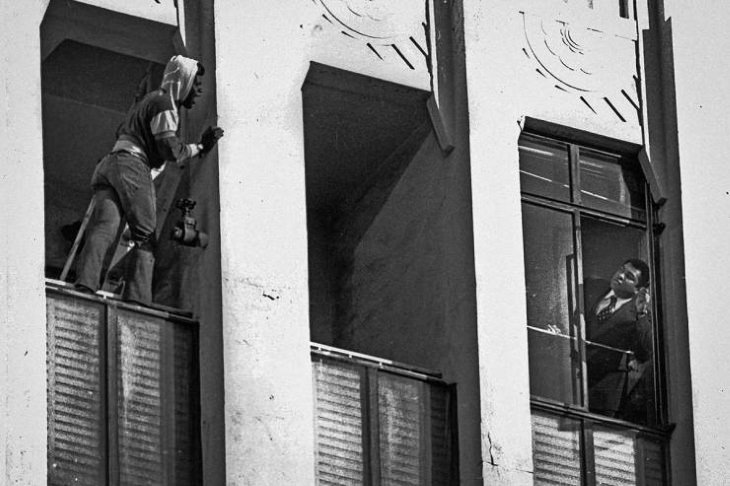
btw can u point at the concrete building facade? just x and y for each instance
(404, 215)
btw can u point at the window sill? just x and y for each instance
(662, 432)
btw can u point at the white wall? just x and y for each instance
(163, 11)
(22, 294)
(510, 76)
(501, 309)
(700, 45)
(268, 386)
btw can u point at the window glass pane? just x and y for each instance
(615, 457)
(549, 260)
(608, 186)
(556, 450)
(554, 373)
(549, 263)
(544, 168)
(619, 332)
(623, 9)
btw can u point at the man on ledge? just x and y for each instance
(122, 181)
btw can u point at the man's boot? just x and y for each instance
(138, 276)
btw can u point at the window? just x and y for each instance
(379, 423)
(592, 335)
(624, 9)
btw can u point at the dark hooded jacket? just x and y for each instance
(152, 124)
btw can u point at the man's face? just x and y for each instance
(195, 91)
(625, 281)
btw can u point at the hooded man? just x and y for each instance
(122, 181)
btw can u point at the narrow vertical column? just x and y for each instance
(22, 296)
(260, 67)
(694, 69)
(496, 103)
(662, 139)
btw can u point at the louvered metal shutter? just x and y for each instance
(139, 399)
(556, 450)
(443, 436)
(400, 403)
(339, 418)
(187, 433)
(122, 395)
(615, 457)
(76, 412)
(377, 426)
(653, 463)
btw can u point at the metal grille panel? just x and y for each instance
(75, 407)
(615, 457)
(340, 459)
(122, 394)
(653, 463)
(556, 450)
(185, 387)
(139, 400)
(441, 435)
(399, 404)
(383, 426)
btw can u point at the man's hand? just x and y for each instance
(210, 138)
(553, 328)
(632, 365)
(643, 301)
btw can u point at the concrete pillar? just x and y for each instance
(267, 367)
(22, 294)
(498, 251)
(699, 44)
(662, 145)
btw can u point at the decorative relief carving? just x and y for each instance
(598, 67)
(386, 27)
(382, 22)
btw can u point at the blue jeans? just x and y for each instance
(123, 188)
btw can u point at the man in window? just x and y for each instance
(619, 334)
(122, 181)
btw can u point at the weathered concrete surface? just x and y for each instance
(268, 381)
(22, 294)
(699, 44)
(164, 11)
(499, 264)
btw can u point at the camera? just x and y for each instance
(185, 231)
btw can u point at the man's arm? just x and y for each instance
(164, 127)
(644, 332)
(170, 147)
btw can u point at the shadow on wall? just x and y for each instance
(375, 207)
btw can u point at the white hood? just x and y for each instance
(179, 76)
